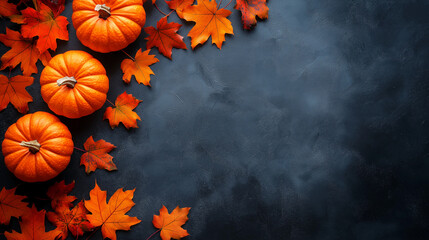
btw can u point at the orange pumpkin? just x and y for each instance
(108, 25)
(74, 84)
(37, 147)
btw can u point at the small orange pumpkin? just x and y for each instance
(37, 147)
(74, 84)
(108, 25)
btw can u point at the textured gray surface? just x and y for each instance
(311, 126)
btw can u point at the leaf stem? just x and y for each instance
(36, 5)
(153, 234)
(93, 232)
(110, 102)
(128, 56)
(79, 149)
(228, 4)
(218, 6)
(156, 6)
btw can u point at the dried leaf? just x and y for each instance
(97, 155)
(171, 224)
(250, 9)
(139, 67)
(164, 37)
(111, 216)
(123, 111)
(74, 220)
(11, 205)
(33, 227)
(210, 21)
(23, 51)
(58, 193)
(13, 91)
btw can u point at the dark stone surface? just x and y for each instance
(311, 126)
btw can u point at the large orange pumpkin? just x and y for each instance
(108, 25)
(37, 147)
(74, 84)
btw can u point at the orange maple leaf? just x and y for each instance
(23, 51)
(110, 216)
(139, 67)
(179, 5)
(46, 25)
(209, 21)
(171, 224)
(58, 193)
(11, 205)
(250, 9)
(123, 111)
(7, 9)
(71, 219)
(33, 227)
(164, 37)
(97, 155)
(13, 91)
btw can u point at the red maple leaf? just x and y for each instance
(46, 25)
(164, 37)
(58, 193)
(97, 155)
(250, 9)
(71, 219)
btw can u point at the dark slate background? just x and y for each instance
(311, 126)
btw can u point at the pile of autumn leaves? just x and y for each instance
(41, 26)
(86, 216)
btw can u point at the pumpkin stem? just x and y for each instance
(34, 145)
(103, 11)
(68, 81)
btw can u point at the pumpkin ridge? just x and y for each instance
(49, 147)
(84, 97)
(49, 164)
(117, 19)
(16, 131)
(113, 28)
(83, 71)
(89, 26)
(24, 160)
(52, 72)
(69, 98)
(83, 80)
(13, 164)
(80, 86)
(30, 129)
(52, 101)
(86, 16)
(22, 131)
(83, 101)
(118, 4)
(51, 132)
